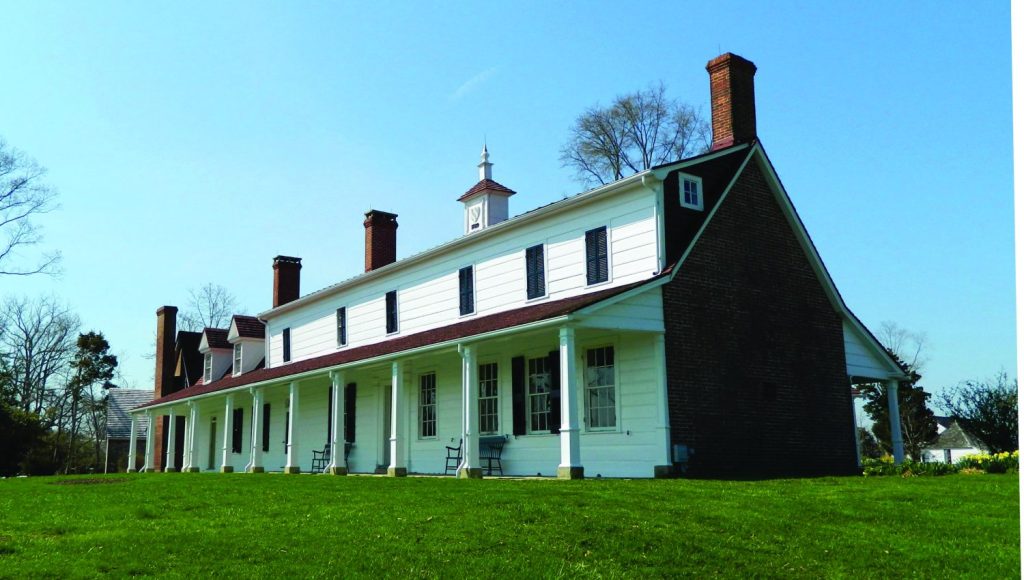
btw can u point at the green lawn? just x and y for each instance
(263, 525)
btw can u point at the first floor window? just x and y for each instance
(266, 427)
(236, 430)
(207, 367)
(538, 386)
(428, 405)
(488, 398)
(237, 361)
(600, 388)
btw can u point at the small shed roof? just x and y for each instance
(119, 402)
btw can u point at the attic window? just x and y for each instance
(237, 360)
(207, 367)
(691, 193)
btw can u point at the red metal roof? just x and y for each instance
(486, 185)
(466, 329)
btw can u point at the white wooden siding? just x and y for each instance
(428, 293)
(861, 360)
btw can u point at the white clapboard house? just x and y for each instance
(678, 320)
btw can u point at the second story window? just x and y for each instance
(236, 361)
(207, 367)
(597, 255)
(466, 290)
(391, 311)
(342, 330)
(286, 347)
(690, 194)
(535, 287)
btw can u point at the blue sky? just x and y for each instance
(192, 143)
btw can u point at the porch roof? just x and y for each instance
(460, 330)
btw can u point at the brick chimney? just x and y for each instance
(166, 332)
(286, 279)
(733, 119)
(381, 233)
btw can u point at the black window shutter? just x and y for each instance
(519, 396)
(236, 431)
(535, 271)
(466, 290)
(342, 330)
(555, 395)
(350, 413)
(597, 255)
(330, 413)
(287, 346)
(266, 427)
(391, 308)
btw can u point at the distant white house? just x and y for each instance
(952, 443)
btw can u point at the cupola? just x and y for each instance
(486, 203)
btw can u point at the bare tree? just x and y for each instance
(911, 347)
(36, 342)
(23, 196)
(636, 132)
(210, 306)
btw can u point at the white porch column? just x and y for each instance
(894, 421)
(470, 468)
(169, 465)
(570, 466)
(225, 462)
(663, 424)
(856, 425)
(190, 438)
(397, 467)
(150, 441)
(291, 466)
(256, 439)
(337, 465)
(132, 438)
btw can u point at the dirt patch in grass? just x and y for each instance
(88, 481)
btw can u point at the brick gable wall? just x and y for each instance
(755, 357)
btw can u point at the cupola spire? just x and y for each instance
(485, 164)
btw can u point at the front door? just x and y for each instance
(386, 453)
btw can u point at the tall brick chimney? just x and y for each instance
(381, 237)
(286, 279)
(166, 332)
(733, 119)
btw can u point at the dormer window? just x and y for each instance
(691, 193)
(207, 367)
(236, 368)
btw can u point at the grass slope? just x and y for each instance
(242, 525)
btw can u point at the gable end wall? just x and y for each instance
(756, 368)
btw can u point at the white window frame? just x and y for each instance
(496, 397)
(683, 178)
(207, 367)
(236, 359)
(586, 388)
(530, 398)
(421, 405)
(547, 280)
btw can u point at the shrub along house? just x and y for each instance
(640, 328)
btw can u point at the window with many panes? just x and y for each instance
(538, 383)
(488, 398)
(597, 255)
(690, 194)
(207, 367)
(391, 311)
(535, 286)
(428, 405)
(466, 290)
(286, 347)
(236, 363)
(600, 388)
(342, 323)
